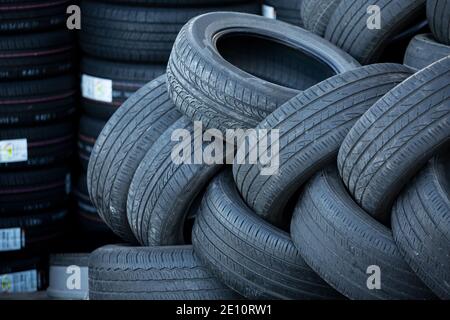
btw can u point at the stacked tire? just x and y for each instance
(37, 104)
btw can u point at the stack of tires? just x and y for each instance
(356, 205)
(37, 104)
(126, 44)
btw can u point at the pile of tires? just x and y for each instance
(37, 104)
(358, 207)
(125, 45)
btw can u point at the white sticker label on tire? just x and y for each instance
(94, 88)
(269, 12)
(13, 150)
(11, 239)
(24, 281)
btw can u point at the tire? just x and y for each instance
(162, 191)
(88, 133)
(120, 148)
(340, 242)
(87, 215)
(22, 274)
(247, 254)
(348, 26)
(310, 135)
(32, 231)
(236, 86)
(37, 101)
(287, 10)
(164, 273)
(316, 14)
(25, 16)
(45, 145)
(118, 82)
(176, 3)
(31, 191)
(134, 34)
(36, 55)
(423, 50)
(421, 225)
(62, 267)
(438, 14)
(395, 138)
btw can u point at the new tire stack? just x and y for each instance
(37, 102)
(126, 44)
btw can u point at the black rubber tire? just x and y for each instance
(162, 191)
(340, 241)
(438, 14)
(59, 274)
(25, 16)
(249, 255)
(139, 34)
(421, 225)
(208, 88)
(88, 132)
(163, 273)
(120, 148)
(348, 26)
(87, 216)
(12, 270)
(316, 14)
(126, 79)
(37, 101)
(37, 229)
(31, 191)
(395, 138)
(287, 10)
(311, 127)
(176, 3)
(36, 55)
(423, 50)
(46, 145)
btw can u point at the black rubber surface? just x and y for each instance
(423, 50)
(340, 242)
(438, 13)
(316, 14)
(120, 148)
(152, 273)
(249, 255)
(421, 225)
(311, 127)
(395, 138)
(287, 10)
(89, 130)
(237, 79)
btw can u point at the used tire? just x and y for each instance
(344, 245)
(34, 230)
(348, 26)
(395, 138)
(438, 14)
(62, 267)
(423, 50)
(152, 273)
(120, 148)
(421, 225)
(31, 191)
(26, 147)
(162, 191)
(89, 130)
(247, 254)
(229, 79)
(106, 85)
(139, 34)
(37, 101)
(316, 14)
(311, 127)
(24, 16)
(286, 10)
(36, 55)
